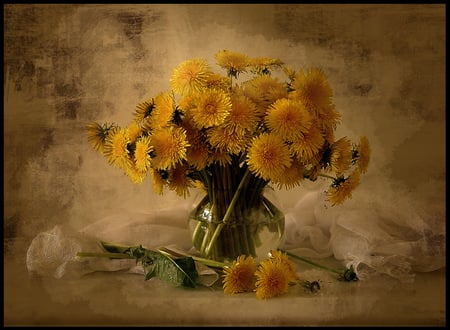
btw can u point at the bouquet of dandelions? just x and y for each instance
(232, 135)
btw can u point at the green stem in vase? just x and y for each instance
(227, 213)
(239, 237)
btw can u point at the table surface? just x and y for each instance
(125, 299)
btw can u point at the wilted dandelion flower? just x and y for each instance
(142, 152)
(289, 119)
(240, 276)
(268, 156)
(234, 62)
(312, 87)
(272, 279)
(191, 75)
(169, 146)
(211, 108)
(342, 188)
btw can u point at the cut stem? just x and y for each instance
(311, 262)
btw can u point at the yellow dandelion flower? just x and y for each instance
(137, 176)
(197, 155)
(341, 155)
(219, 156)
(307, 146)
(234, 62)
(283, 258)
(116, 148)
(187, 102)
(264, 90)
(97, 134)
(217, 81)
(142, 152)
(231, 140)
(133, 131)
(159, 179)
(342, 188)
(328, 135)
(164, 107)
(162, 114)
(243, 115)
(192, 133)
(169, 146)
(240, 276)
(363, 151)
(179, 181)
(327, 117)
(190, 75)
(268, 157)
(264, 65)
(272, 279)
(144, 110)
(212, 108)
(287, 118)
(291, 176)
(312, 87)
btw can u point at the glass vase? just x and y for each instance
(253, 225)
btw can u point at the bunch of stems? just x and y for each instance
(228, 213)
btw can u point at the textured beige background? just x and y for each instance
(66, 65)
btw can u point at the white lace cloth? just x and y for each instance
(381, 239)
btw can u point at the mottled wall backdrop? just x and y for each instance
(67, 64)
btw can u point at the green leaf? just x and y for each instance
(150, 274)
(177, 272)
